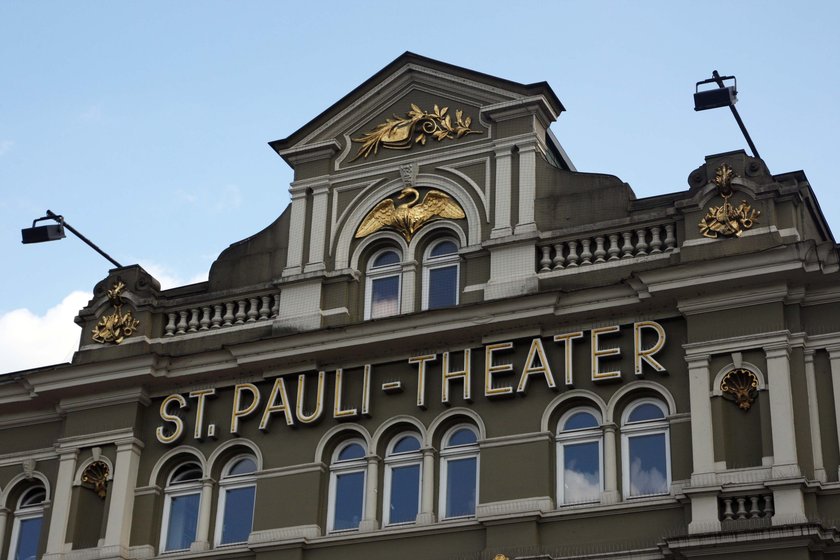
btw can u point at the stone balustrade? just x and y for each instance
(749, 507)
(222, 315)
(617, 246)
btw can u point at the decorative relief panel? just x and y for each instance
(740, 386)
(727, 220)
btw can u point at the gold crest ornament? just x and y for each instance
(116, 326)
(96, 475)
(727, 220)
(407, 218)
(400, 133)
(740, 385)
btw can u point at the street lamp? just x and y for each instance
(52, 232)
(722, 96)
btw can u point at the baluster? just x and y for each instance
(599, 249)
(628, 245)
(265, 308)
(240, 311)
(754, 511)
(228, 318)
(586, 254)
(182, 322)
(768, 505)
(614, 250)
(742, 510)
(252, 310)
(205, 318)
(572, 259)
(655, 242)
(670, 240)
(193, 324)
(170, 326)
(559, 259)
(545, 261)
(275, 309)
(641, 243)
(727, 509)
(217, 316)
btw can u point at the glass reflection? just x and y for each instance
(385, 297)
(349, 498)
(460, 487)
(239, 515)
(28, 537)
(405, 494)
(183, 517)
(648, 470)
(443, 286)
(581, 472)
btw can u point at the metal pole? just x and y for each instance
(735, 114)
(60, 220)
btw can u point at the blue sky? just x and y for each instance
(145, 123)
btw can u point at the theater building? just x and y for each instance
(453, 345)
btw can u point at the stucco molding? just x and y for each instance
(280, 535)
(442, 418)
(23, 478)
(762, 381)
(80, 469)
(518, 439)
(403, 419)
(638, 385)
(733, 299)
(511, 508)
(334, 432)
(590, 396)
(185, 450)
(119, 436)
(233, 443)
(99, 400)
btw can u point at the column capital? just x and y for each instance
(833, 352)
(698, 360)
(774, 351)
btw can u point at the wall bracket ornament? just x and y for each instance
(96, 475)
(407, 218)
(727, 220)
(401, 133)
(740, 386)
(116, 326)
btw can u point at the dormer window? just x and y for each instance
(383, 289)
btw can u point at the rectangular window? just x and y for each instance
(581, 472)
(349, 500)
(648, 464)
(443, 286)
(405, 494)
(385, 293)
(183, 518)
(239, 514)
(29, 533)
(460, 487)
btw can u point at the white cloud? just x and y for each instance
(28, 340)
(5, 146)
(167, 278)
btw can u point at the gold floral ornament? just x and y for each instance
(727, 220)
(407, 218)
(96, 475)
(400, 133)
(740, 385)
(116, 326)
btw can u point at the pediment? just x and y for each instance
(414, 104)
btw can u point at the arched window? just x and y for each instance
(237, 490)
(459, 472)
(440, 274)
(580, 458)
(347, 486)
(26, 530)
(645, 449)
(403, 475)
(180, 510)
(383, 286)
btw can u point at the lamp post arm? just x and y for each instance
(60, 220)
(719, 82)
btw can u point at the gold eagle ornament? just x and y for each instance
(407, 218)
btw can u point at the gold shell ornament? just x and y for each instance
(407, 218)
(96, 475)
(741, 386)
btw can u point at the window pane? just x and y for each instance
(406, 444)
(463, 436)
(647, 465)
(460, 487)
(644, 412)
(28, 537)
(183, 516)
(352, 451)
(239, 515)
(443, 286)
(386, 258)
(443, 248)
(349, 496)
(243, 466)
(579, 421)
(385, 296)
(581, 472)
(186, 472)
(405, 494)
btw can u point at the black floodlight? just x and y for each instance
(722, 96)
(40, 234)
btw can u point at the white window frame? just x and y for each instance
(228, 483)
(573, 437)
(430, 263)
(338, 468)
(23, 513)
(175, 490)
(644, 428)
(454, 453)
(397, 460)
(376, 273)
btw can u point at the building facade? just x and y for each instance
(454, 345)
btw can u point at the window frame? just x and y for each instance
(24, 513)
(431, 263)
(228, 482)
(347, 466)
(176, 490)
(453, 453)
(377, 273)
(644, 428)
(574, 437)
(397, 460)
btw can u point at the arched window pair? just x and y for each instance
(402, 499)
(645, 453)
(235, 512)
(383, 290)
(28, 521)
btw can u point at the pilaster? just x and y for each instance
(124, 481)
(202, 534)
(502, 194)
(369, 521)
(318, 230)
(427, 496)
(527, 188)
(56, 538)
(814, 416)
(610, 495)
(297, 224)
